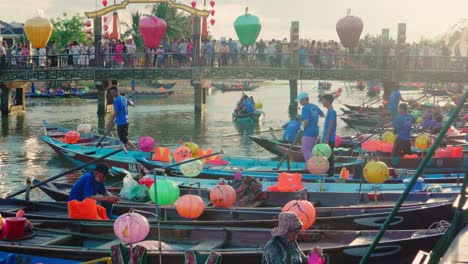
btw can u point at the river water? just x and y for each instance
(169, 120)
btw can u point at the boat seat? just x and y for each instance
(364, 240)
(109, 244)
(208, 245)
(57, 240)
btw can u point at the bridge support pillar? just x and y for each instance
(105, 101)
(200, 98)
(13, 98)
(294, 70)
(292, 98)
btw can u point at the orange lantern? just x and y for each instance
(304, 209)
(223, 195)
(38, 31)
(190, 206)
(72, 137)
(181, 153)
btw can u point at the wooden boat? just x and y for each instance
(363, 108)
(233, 87)
(328, 218)
(50, 96)
(163, 85)
(160, 94)
(12, 258)
(435, 165)
(363, 123)
(86, 241)
(250, 118)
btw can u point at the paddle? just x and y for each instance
(258, 132)
(99, 144)
(289, 149)
(64, 173)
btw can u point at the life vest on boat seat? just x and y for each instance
(162, 154)
(87, 209)
(202, 153)
(288, 182)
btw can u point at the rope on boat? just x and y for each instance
(440, 226)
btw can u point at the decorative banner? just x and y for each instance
(152, 30)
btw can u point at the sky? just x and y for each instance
(424, 18)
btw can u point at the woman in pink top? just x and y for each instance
(189, 51)
(119, 51)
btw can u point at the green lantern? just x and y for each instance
(167, 192)
(322, 150)
(247, 28)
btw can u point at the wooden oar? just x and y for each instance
(64, 173)
(262, 131)
(289, 149)
(99, 144)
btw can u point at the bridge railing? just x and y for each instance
(265, 60)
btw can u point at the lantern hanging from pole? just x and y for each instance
(247, 28)
(106, 35)
(212, 12)
(212, 3)
(131, 228)
(105, 19)
(115, 26)
(38, 31)
(349, 30)
(106, 27)
(193, 3)
(88, 23)
(212, 21)
(152, 30)
(104, 2)
(89, 31)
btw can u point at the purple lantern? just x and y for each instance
(146, 143)
(131, 228)
(152, 30)
(349, 29)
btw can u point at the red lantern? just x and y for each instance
(212, 3)
(72, 137)
(88, 23)
(349, 30)
(304, 209)
(106, 27)
(106, 35)
(89, 38)
(104, 2)
(105, 19)
(223, 195)
(152, 30)
(212, 21)
(89, 31)
(212, 12)
(193, 3)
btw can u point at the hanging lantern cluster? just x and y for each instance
(105, 26)
(89, 30)
(212, 20)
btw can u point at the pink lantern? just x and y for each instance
(89, 31)
(349, 30)
(337, 140)
(318, 165)
(212, 21)
(106, 35)
(193, 3)
(212, 12)
(104, 2)
(105, 19)
(146, 143)
(182, 153)
(106, 27)
(88, 23)
(152, 30)
(131, 228)
(212, 3)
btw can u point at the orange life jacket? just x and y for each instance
(162, 154)
(202, 153)
(87, 209)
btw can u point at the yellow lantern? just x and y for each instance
(376, 172)
(38, 31)
(388, 137)
(419, 120)
(193, 148)
(423, 141)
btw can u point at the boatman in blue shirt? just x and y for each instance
(291, 129)
(394, 101)
(329, 129)
(403, 124)
(121, 116)
(91, 185)
(310, 115)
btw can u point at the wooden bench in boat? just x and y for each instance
(208, 245)
(57, 240)
(365, 240)
(109, 244)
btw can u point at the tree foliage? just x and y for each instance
(134, 31)
(67, 29)
(178, 22)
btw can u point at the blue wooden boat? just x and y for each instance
(250, 118)
(163, 85)
(12, 258)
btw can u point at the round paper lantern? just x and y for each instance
(131, 228)
(181, 153)
(212, 21)
(376, 172)
(318, 165)
(88, 23)
(304, 209)
(247, 28)
(161, 89)
(38, 31)
(223, 195)
(423, 141)
(419, 120)
(337, 140)
(466, 117)
(104, 2)
(212, 12)
(191, 169)
(146, 143)
(322, 150)
(152, 30)
(168, 192)
(190, 206)
(193, 148)
(349, 30)
(212, 3)
(84, 128)
(258, 105)
(388, 137)
(72, 137)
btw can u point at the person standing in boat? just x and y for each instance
(120, 115)
(283, 247)
(394, 101)
(91, 185)
(310, 114)
(329, 129)
(403, 124)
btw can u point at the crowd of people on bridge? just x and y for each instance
(228, 52)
